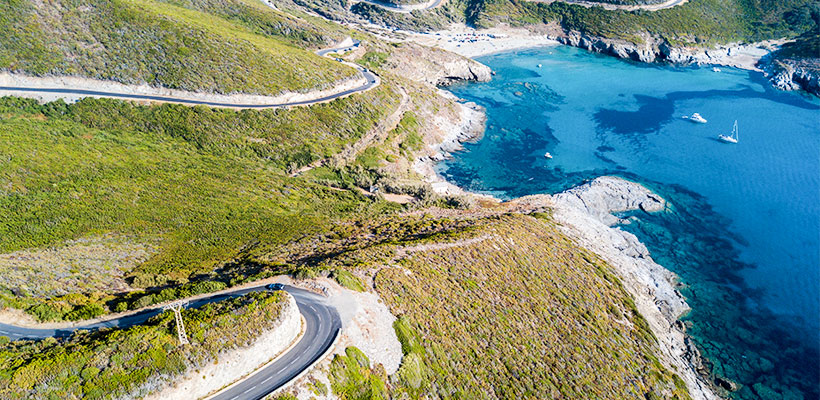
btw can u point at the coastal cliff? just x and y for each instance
(793, 75)
(796, 65)
(655, 49)
(435, 66)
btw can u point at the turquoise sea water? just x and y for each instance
(744, 230)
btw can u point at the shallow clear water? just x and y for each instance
(744, 233)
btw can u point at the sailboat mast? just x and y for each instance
(734, 131)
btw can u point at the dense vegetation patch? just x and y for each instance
(130, 362)
(697, 22)
(231, 46)
(807, 46)
(352, 377)
(693, 23)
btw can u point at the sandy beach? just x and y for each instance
(472, 43)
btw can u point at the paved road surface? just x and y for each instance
(431, 5)
(371, 81)
(628, 7)
(322, 324)
(404, 8)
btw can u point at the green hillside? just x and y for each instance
(229, 46)
(697, 22)
(198, 185)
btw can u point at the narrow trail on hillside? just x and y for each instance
(378, 133)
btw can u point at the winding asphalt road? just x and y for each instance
(627, 7)
(322, 325)
(371, 81)
(429, 6)
(399, 8)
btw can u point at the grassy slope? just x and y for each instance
(696, 22)
(207, 182)
(521, 314)
(119, 362)
(298, 29)
(234, 47)
(527, 315)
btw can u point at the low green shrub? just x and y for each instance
(348, 280)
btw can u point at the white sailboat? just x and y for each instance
(733, 138)
(695, 118)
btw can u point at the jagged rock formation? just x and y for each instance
(784, 73)
(656, 50)
(790, 74)
(606, 195)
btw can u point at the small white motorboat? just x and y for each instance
(715, 69)
(733, 138)
(539, 65)
(547, 155)
(695, 118)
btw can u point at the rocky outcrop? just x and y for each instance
(792, 74)
(584, 213)
(620, 48)
(445, 137)
(606, 195)
(592, 205)
(465, 69)
(436, 66)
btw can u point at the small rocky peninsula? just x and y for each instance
(585, 213)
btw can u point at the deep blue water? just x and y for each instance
(744, 230)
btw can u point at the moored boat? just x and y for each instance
(695, 118)
(733, 138)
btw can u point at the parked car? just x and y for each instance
(275, 286)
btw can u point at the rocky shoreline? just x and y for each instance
(784, 74)
(792, 74)
(585, 214)
(469, 128)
